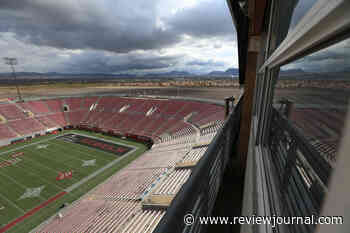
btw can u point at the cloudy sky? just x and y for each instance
(117, 36)
(139, 36)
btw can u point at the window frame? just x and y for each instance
(325, 24)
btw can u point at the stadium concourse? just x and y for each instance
(135, 198)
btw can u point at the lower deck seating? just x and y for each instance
(89, 101)
(46, 121)
(6, 133)
(55, 105)
(75, 117)
(73, 103)
(58, 118)
(26, 126)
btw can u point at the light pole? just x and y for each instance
(12, 62)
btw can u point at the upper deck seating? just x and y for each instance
(210, 117)
(26, 126)
(58, 118)
(76, 117)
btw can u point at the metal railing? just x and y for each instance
(198, 195)
(300, 172)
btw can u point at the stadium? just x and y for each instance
(186, 116)
(57, 151)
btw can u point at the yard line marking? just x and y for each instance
(51, 138)
(37, 162)
(72, 167)
(29, 169)
(12, 203)
(34, 143)
(19, 184)
(70, 157)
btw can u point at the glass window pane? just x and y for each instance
(313, 93)
(302, 7)
(318, 87)
(287, 15)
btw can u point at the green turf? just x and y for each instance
(40, 167)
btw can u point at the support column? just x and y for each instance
(229, 102)
(227, 105)
(248, 100)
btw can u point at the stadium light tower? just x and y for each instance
(11, 61)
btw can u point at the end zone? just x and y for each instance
(96, 143)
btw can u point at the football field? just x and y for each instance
(38, 177)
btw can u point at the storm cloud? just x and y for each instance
(97, 62)
(116, 26)
(112, 26)
(116, 36)
(208, 20)
(204, 63)
(111, 36)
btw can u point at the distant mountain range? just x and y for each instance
(297, 74)
(292, 72)
(55, 74)
(169, 74)
(228, 72)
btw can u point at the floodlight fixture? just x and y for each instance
(11, 61)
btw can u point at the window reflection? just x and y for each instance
(314, 93)
(287, 15)
(302, 7)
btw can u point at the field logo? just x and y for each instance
(10, 162)
(87, 163)
(16, 155)
(32, 192)
(64, 175)
(2, 207)
(15, 159)
(42, 146)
